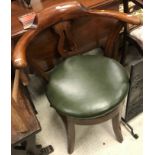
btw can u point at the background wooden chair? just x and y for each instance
(87, 88)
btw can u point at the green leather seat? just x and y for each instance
(87, 86)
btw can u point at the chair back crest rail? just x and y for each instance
(60, 17)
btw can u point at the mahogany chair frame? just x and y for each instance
(57, 16)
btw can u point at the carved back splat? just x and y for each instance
(67, 45)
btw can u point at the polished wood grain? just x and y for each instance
(84, 26)
(55, 14)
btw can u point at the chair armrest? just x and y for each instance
(57, 13)
(127, 18)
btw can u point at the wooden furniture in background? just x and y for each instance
(134, 65)
(24, 123)
(38, 5)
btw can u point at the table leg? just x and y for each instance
(29, 147)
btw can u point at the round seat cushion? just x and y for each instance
(87, 86)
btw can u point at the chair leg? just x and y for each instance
(117, 128)
(70, 127)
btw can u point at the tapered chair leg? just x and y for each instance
(117, 128)
(70, 127)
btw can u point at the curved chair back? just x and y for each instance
(60, 16)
